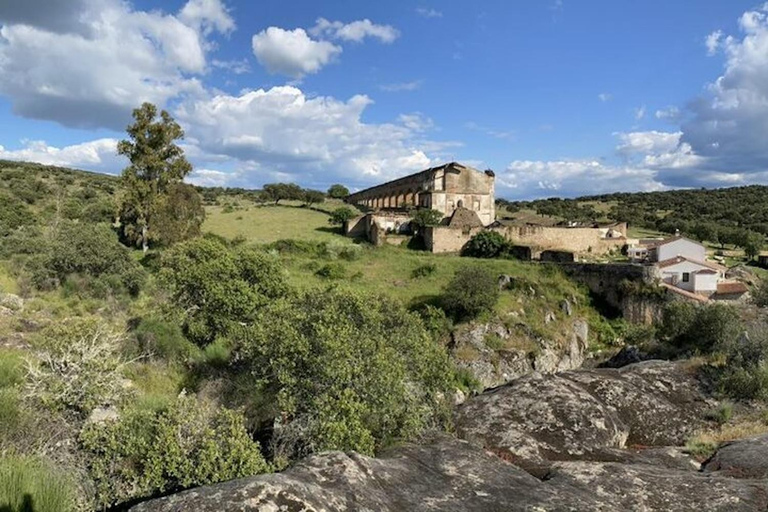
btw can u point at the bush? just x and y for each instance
(425, 270)
(91, 251)
(165, 339)
(472, 291)
(745, 374)
(332, 271)
(700, 328)
(340, 216)
(720, 414)
(760, 294)
(78, 370)
(147, 452)
(215, 287)
(436, 322)
(350, 371)
(486, 244)
(28, 484)
(338, 191)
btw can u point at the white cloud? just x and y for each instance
(671, 114)
(605, 97)
(402, 86)
(640, 112)
(729, 124)
(312, 140)
(525, 178)
(428, 12)
(207, 16)
(648, 142)
(237, 67)
(97, 155)
(292, 52)
(91, 69)
(416, 122)
(712, 42)
(355, 31)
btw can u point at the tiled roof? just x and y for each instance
(706, 271)
(731, 288)
(680, 259)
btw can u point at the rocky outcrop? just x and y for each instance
(747, 458)
(451, 475)
(584, 415)
(493, 366)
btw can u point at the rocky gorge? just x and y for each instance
(597, 439)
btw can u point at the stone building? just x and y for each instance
(444, 188)
(462, 194)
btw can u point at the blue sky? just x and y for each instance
(560, 98)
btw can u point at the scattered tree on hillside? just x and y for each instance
(338, 191)
(313, 197)
(180, 214)
(157, 164)
(280, 191)
(341, 215)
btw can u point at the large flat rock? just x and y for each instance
(585, 414)
(451, 475)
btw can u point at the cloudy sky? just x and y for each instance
(560, 97)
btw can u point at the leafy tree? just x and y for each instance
(350, 371)
(146, 452)
(753, 244)
(760, 294)
(313, 197)
(180, 213)
(472, 291)
(486, 244)
(13, 214)
(338, 191)
(216, 287)
(157, 163)
(279, 191)
(424, 217)
(341, 215)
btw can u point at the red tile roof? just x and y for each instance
(680, 259)
(731, 288)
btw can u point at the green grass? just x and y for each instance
(7, 282)
(11, 367)
(28, 484)
(638, 232)
(264, 224)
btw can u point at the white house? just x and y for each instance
(691, 275)
(669, 248)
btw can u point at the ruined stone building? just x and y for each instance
(444, 188)
(448, 188)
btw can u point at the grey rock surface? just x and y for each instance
(584, 414)
(747, 458)
(451, 475)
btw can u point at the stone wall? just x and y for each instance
(578, 240)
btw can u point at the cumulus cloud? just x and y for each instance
(91, 68)
(97, 155)
(525, 178)
(671, 114)
(292, 52)
(712, 42)
(355, 31)
(729, 124)
(312, 140)
(650, 142)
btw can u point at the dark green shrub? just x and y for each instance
(338, 191)
(471, 292)
(486, 244)
(215, 287)
(340, 216)
(350, 371)
(424, 217)
(745, 373)
(425, 270)
(332, 270)
(760, 294)
(436, 321)
(720, 414)
(165, 339)
(148, 452)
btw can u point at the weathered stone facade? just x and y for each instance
(444, 188)
(596, 241)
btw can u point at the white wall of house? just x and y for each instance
(705, 283)
(682, 274)
(681, 247)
